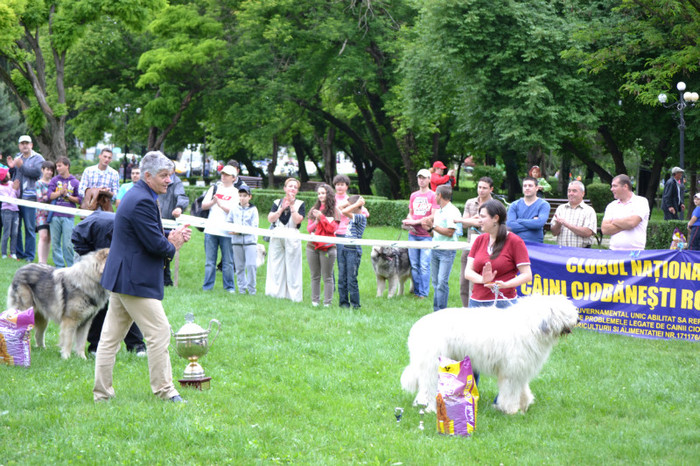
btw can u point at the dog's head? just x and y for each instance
(101, 260)
(386, 253)
(560, 315)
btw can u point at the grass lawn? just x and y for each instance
(297, 384)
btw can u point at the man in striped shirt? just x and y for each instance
(100, 176)
(575, 223)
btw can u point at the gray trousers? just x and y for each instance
(245, 257)
(321, 264)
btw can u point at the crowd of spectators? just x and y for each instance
(496, 234)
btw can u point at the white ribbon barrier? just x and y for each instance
(286, 233)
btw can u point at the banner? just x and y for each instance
(647, 294)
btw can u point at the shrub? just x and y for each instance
(495, 173)
(660, 233)
(382, 186)
(600, 196)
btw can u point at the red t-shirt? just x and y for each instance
(513, 254)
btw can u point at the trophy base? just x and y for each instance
(202, 383)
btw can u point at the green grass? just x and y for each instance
(297, 384)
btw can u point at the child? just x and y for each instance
(347, 275)
(48, 171)
(10, 213)
(245, 246)
(63, 190)
(694, 226)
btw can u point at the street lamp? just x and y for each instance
(125, 111)
(685, 99)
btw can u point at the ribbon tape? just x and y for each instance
(224, 229)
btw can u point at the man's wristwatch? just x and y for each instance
(430, 230)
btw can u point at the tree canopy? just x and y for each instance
(395, 84)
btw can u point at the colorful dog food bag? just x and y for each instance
(15, 333)
(457, 398)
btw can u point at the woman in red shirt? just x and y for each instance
(323, 221)
(498, 261)
(437, 178)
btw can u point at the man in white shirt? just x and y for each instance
(444, 227)
(626, 217)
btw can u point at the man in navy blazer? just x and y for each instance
(134, 274)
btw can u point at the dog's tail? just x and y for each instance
(409, 379)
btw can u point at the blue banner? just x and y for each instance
(647, 294)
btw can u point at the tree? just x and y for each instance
(10, 125)
(36, 40)
(336, 62)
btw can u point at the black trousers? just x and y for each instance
(133, 339)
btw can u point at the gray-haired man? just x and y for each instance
(575, 223)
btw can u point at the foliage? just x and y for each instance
(600, 196)
(660, 232)
(495, 173)
(10, 125)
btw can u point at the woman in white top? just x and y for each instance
(220, 199)
(283, 278)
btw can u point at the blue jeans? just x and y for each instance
(28, 217)
(212, 244)
(440, 267)
(500, 304)
(10, 226)
(347, 276)
(420, 266)
(61, 245)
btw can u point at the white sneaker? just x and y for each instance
(4, 257)
(14, 256)
(314, 304)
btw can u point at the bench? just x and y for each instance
(252, 181)
(554, 203)
(310, 185)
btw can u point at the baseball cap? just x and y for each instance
(25, 138)
(244, 188)
(697, 195)
(229, 170)
(675, 170)
(425, 173)
(439, 164)
(3, 173)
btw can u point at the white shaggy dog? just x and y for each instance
(511, 344)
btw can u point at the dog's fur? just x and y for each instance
(391, 265)
(262, 253)
(69, 296)
(511, 344)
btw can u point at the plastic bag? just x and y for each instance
(457, 398)
(678, 241)
(15, 334)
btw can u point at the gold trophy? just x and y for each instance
(191, 343)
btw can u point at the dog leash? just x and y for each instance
(497, 293)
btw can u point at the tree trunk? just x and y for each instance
(271, 167)
(300, 150)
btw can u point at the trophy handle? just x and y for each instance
(218, 329)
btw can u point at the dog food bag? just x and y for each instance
(457, 398)
(15, 332)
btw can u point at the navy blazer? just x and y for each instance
(139, 247)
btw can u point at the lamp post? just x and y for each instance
(125, 111)
(685, 99)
